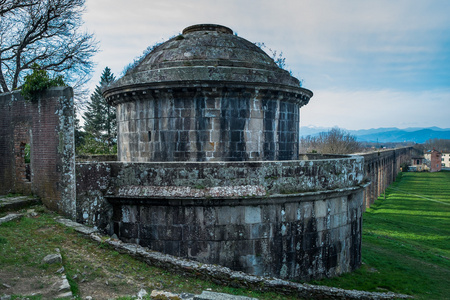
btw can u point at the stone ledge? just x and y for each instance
(206, 295)
(16, 203)
(10, 217)
(189, 192)
(77, 226)
(225, 276)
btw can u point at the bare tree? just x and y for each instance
(335, 141)
(10, 5)
(438, 144)
(46, 32)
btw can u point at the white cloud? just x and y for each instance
(358, 57)
(373, 109)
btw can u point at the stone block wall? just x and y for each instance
(381, 169)
(211, 123)
(289, 219)
(95, 181)
(46, 126)
(296, 237)
(215, 179)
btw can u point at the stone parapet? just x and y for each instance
(289, 219)
(381, 169)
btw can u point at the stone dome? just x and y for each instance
(207, 95)
(205, 53)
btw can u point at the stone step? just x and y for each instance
(16, 203)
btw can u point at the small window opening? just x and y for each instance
(25, 150)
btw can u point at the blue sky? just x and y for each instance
(370, 64)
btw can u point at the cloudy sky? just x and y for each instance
(370, 64)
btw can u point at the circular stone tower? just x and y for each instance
(207, 95)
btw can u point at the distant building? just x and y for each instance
(418, 164)
(433, 159)
(445, 160)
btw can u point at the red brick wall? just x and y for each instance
(435, 161)
(47, 126)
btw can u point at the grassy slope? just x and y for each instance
(406, 240)
(88, 265)
(406, 248)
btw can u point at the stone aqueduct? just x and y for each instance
(207, 170)
(381, 169)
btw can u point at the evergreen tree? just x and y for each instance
(79, 134)
(100, 116)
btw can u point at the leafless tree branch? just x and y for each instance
(46, 32)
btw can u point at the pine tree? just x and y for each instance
(79, 134)
(100, 116)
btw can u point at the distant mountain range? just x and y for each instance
(387, 135)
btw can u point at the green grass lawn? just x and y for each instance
(92, 269)
(406, 240)
(406, 249)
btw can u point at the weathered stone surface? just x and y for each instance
(206, 52)
(52, 259)
(65, 295)
(176, 125)
(265, 218)
(163, 295)
(64, 285)
(77, 226)
(10, 217)
(240, 197)
(191, 192)
(16, 203)
(142, 293)
(207, 295)
(381, 169)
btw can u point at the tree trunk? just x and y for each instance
(2, 79)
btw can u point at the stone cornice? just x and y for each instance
(115, 96)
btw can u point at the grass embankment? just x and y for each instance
(406, 240)
(406, 249)
(92, 269)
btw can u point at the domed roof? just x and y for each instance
(205, 53)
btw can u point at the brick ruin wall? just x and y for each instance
(46, 127)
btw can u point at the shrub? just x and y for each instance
(92, 145)
(37, 82)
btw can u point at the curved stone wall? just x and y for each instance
(288, 219)
(286, 236)
(209, 124)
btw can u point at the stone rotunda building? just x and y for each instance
(209, 166)
(207, 95)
